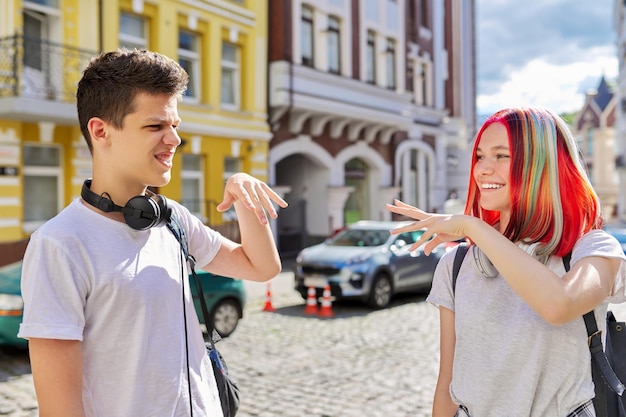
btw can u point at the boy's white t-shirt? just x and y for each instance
(508, 361)
(118, 290)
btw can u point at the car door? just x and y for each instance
(405, 262)
(415, 269)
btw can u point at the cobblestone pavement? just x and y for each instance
(358, 363)
(17, 395)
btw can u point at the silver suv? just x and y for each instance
(364, 261)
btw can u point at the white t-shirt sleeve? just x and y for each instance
(54, 292)
(204, 242)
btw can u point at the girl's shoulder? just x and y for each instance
(597, 243)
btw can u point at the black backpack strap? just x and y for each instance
(594, 340)
(461, 250)
(179, 232)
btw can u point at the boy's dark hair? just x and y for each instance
(111, 81)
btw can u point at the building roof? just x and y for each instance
(604, 94)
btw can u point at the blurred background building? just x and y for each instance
(619, 14)
(340, 105)
(46, 44)
(594, 126)
(369, 101)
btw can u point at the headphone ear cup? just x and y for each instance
(165, 210)
(483, 264)
(142, 213)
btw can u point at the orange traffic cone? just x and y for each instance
(327, 309)
(268, 300)
(311, 302)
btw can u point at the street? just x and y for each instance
(358, 363)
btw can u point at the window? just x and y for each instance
(38, 80)
(423, 17)
(589, 142)
(42, 185)
(193, 184)
(410, 75)
(49, 3)
(391, 64)
(133, 31)
(393, 16)
(334, 49)
(189, 59)
(230, 75)
(370, 57)
(421, 83)
(231, 167)
(35, 32)
(412, 21)
(371, 11)
(306, 36)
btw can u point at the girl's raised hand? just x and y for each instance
(438, 228)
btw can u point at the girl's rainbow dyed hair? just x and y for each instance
(552, 199)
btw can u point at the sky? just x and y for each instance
(546, 53)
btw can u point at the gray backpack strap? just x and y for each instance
(461, 250)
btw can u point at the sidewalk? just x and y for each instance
(281, 285)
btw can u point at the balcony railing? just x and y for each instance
(40, 69)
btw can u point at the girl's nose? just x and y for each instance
(485, 165)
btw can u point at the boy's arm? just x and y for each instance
(256, 257)
(57, 367)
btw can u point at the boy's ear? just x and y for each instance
(98, 130)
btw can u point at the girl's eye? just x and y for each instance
(480, 157)
(502, 156)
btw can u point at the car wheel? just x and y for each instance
(225, 316)
(380, 293)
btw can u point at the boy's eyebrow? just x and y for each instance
(160, 120)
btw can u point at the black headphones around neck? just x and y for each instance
(140, 212)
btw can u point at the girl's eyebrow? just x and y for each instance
(495, 148)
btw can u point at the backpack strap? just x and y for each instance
(594, 340)
(461, 250)
(174, 225)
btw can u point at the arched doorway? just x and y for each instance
(357, 206)
(307, 213)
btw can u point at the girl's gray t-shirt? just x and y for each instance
(508, 360)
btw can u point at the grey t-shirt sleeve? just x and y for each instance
(441, 294)
(601, 243)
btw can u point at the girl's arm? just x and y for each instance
(557, 300)
(443, 406)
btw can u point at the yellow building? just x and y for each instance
(45, 44)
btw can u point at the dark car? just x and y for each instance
(366, 262)
(225, 298)
(11, 305)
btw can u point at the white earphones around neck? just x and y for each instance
(483, 265)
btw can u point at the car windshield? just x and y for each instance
(359, 237)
